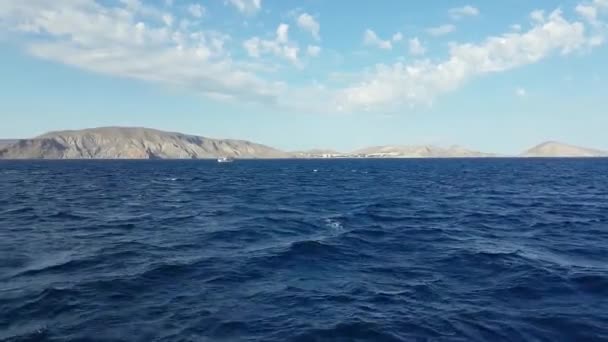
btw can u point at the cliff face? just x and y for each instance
(132, 143)
(556, 149)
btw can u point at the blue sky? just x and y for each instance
(495, 76)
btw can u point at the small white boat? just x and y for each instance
(225, 160)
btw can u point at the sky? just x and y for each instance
(495, 76)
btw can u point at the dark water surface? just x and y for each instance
(360, 250)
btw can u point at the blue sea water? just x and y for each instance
(358, 250)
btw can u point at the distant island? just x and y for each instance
(557, 149)
(132, 143)
(145, 143)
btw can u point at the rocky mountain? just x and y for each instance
(557, 149)
(144, 143)
(6, 142)
(423, 151)
(132, 143)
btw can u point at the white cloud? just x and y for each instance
(283, 33)
(168, 19)
(281, 46)
(416, 48)
(587, 12)
(466, 11)
(132, 39)
(441, 30)
(133, 4)
(603, 4)
(246, 6)
(291, 53)
(114, 40)
(392, 86)
(516, 27)
(596, 40)
(370, 38)
(538, 16)
(521, 92)
(196, 10)
(591, 12)
(253, 47)
(308, 23)
(313, 50)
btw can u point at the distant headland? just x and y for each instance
(145, 143)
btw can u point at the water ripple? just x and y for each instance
(360, 250)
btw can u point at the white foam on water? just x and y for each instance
(334, 225)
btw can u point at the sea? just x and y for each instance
(304, 250)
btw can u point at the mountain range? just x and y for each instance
(145, 143)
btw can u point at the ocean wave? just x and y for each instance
(20, 210)
(268, 251)
(33, 334)
(66, 215)
(308, 248)
(348, 331)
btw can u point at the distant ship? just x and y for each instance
(225, 160)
